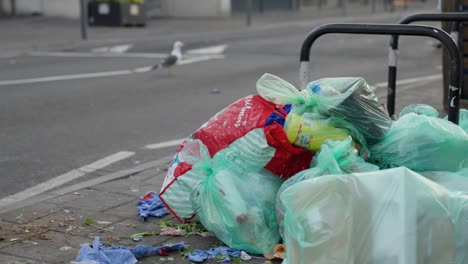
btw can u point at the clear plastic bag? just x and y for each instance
(420, 109)
(334, 157)
(422, 143)
(453, 181)
(348, 98)
(236, 204)
(393, 216)
(463, 122)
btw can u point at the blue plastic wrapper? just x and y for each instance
(198, 256)
(103, 255)
(122, 255)
(151, 205)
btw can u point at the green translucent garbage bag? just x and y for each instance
(420, 109)
(393, 216)
(427, 110)
(453, 181)
(237, 205)
(463, 119)
(422, 143)
(348, 98)
(463, 122)
(334, 157)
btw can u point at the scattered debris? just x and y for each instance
(215, 91)
(221, 254)
(99, 254)
(205, 234)
(113, 239)
(151, 205)
(278, 252)
(171, 231)
(138, 236)
(121, 254)
(65, 248)
(90, 221)
(67, 211)
(104, 222)
(45, 237)
(244, 256)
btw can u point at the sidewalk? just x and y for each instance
(52, 231)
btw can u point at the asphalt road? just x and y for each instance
(51, 128)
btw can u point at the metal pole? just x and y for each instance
(83, 18)
(248, 12)
(393, 49)
(345, 6)
(454, 89)
(13, 7)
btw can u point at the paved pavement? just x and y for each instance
(49, 228)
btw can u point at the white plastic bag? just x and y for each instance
(393, 216)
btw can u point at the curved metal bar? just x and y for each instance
(388, 29)
(393, 50)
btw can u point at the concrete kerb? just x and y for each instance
(82, 185)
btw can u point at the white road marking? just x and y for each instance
(97, 54)
(121, 48)
(410, 80)
(199, 59)
(114, 49)
(102, 74)
(143, 69)
(165, 144)
(66, 77)
(64, 178)
(219, 49)
(401, 88)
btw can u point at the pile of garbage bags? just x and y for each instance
(328, 173)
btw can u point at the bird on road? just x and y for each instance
(171, 60)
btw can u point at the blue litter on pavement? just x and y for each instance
(121, 255)
(103, 255)
(198, 256)
(142, 251)
(151, 205)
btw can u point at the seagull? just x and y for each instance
(169, 61)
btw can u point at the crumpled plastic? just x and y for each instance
(350, 99)
(422, 143)
(463, 122)
(151, 205)
(453, 181)
(389, 216)
(334, 157)
(198, 255)
(121, 255)
(226, 204)
(142, 251)
(103, 255)
(420, 109)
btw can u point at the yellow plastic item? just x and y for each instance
(311, 134)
